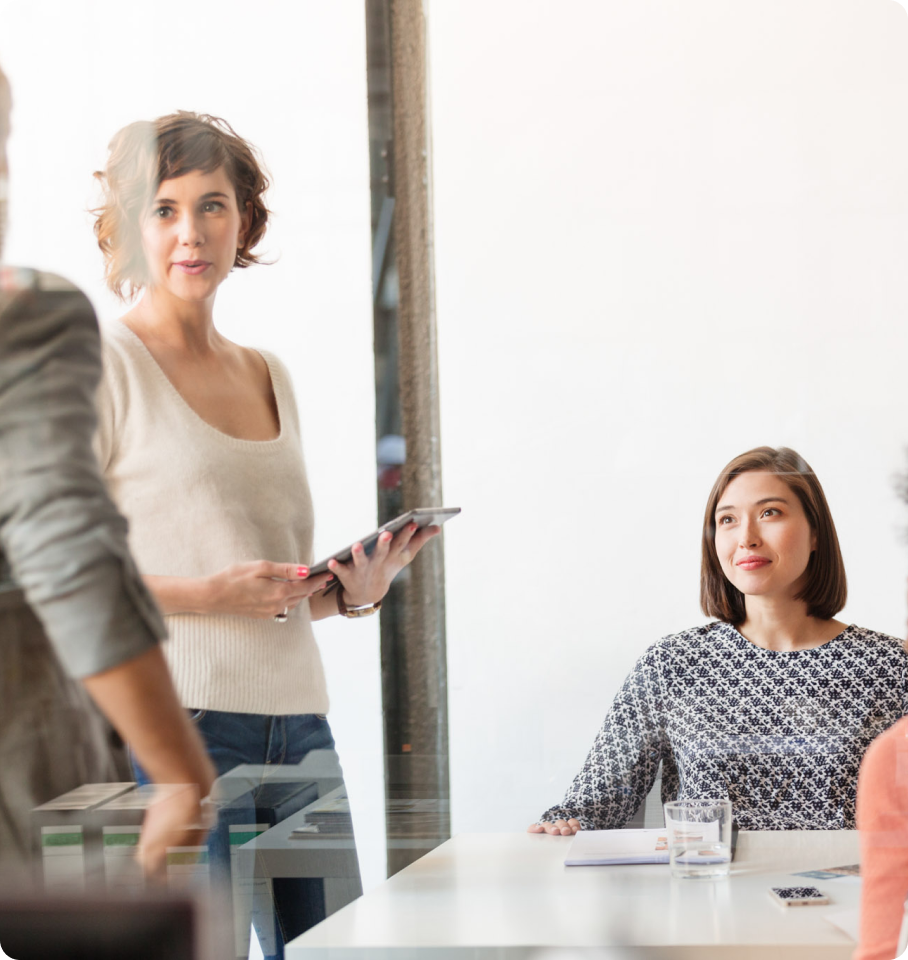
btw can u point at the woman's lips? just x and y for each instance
(753, 563)
(193, 267)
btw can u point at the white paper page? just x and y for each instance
(617, 845)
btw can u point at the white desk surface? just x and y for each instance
(509, 895)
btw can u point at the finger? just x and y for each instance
(359, 556)
(535, 828)
(382, 546)
(301, 589)
(153, 859)
(343, 571)
(574, 825)
(421, 539)
(554, 828)
(281, 571)
(403, 538)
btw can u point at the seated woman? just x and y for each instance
(774, 705)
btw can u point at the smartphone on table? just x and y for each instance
(798, 896)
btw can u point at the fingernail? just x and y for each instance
(412, 528)
(358, 548)
(302, 571)
(330, 578)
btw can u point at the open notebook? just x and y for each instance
(606, 847)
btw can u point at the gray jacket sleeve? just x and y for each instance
(62, 538)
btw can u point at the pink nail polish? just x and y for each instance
(302, 571)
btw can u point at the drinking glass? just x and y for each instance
(699, 838)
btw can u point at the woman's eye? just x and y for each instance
(212, 206)
(162, 213)
(725, 521)
(770, 511)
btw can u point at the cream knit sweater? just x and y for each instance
(198, 500)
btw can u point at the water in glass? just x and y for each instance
(700, 859)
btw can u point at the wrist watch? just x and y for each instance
(364, 611)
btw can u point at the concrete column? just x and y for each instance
(415, 666)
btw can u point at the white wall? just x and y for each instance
(292, 79)
(666, 232)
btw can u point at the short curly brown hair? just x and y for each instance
(5, 104)
(145, 154)
(826, 589)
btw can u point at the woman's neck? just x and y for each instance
(784, 625)
(186, 326)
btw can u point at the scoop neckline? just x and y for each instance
(741, 639)
(274, 376)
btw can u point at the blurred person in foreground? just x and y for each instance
(882, 817)
(71, 601)
(883, 826)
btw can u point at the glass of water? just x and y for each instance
(699, 838)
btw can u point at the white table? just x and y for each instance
(505, 896)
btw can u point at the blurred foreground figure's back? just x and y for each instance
(51, 736)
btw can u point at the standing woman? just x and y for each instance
(774, 703)
(199, 440)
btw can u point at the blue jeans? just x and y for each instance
(251, 738)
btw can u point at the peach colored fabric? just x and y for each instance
(882, 816)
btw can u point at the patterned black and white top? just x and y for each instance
(780, 734)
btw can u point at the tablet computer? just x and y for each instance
(422, 517)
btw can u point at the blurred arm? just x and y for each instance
(64, 543)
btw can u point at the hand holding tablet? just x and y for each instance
(422, 517)
(365, 569)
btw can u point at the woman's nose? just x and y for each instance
(748, 534)
(191, 232)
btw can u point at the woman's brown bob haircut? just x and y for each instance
(825, 591)
(144, 155)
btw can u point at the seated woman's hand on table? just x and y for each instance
(366, 579)
(559, 828)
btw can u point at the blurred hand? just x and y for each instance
(261, 589)
(366, 579)
(174, 819)
(560, 828)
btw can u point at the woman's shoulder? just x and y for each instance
(881, 644)
(854, 632)
(282, 384)
(690, 645)
(119, 346)
(704, 635)
(276, 367)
